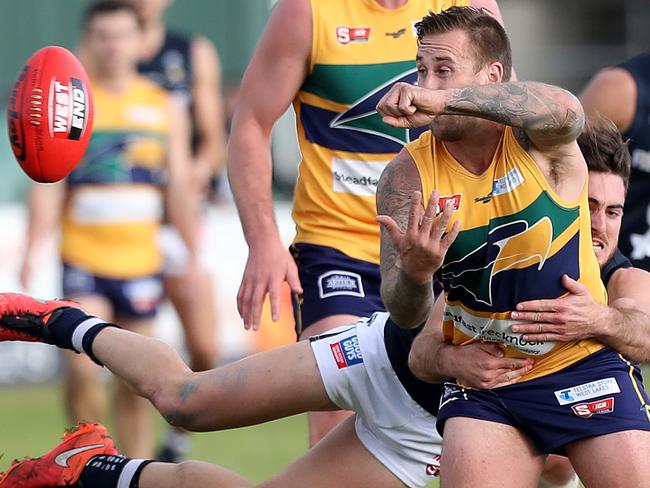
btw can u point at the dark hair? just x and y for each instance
(108, 7)
(487, 36)
(604, 148)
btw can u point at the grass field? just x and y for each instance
(33, 421)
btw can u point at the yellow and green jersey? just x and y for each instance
(359, 50)
(115, 198)
(518, 239)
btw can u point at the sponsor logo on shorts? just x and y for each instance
(598, 407)
(347, 352)
(450, 393)
(346, 35)
(433, 468)
(356, 177)
(453, 200)
(586, 391)
(338, 282)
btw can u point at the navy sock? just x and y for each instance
(74, 329)
(112, 471)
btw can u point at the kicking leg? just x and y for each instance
(256, 389)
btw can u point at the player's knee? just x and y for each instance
(177, 405)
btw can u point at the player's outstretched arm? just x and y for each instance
(624, 325)
(272, 79)
(413, 241)
(477, 365)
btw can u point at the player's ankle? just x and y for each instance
(111, 471)
(74, 329)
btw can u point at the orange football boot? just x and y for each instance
(23, 318)
(62, 466)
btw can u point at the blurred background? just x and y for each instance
(555, 41)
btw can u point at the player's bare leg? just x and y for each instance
(618, 459)
(85, 395)
(256, 389)
(134, 421)
(320, 423)
(470, 445)
(340, 460)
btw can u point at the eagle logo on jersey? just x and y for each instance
(508, 247)
(515, 258)
(362, 116)
(357, 127)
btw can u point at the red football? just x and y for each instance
(50, 114)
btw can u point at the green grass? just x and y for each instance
(33, 421)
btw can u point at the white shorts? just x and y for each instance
(358, 376)
(176, 255)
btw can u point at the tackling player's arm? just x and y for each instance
(612, 93)
(45, 204)
(208, 110)
(624, 325)
(413, 244)
(279, 66)
(182, 210)
(477, 365)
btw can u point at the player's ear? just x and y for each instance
(495, 72)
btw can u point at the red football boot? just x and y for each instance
(62, 466)
(23, 318)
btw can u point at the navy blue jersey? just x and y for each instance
(635, 230)
(171, 67)
(617, 262)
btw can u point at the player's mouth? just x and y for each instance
(598, 245)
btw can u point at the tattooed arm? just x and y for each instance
(413, 243)
(546, 120)
(547, 115)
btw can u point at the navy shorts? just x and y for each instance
(600, 394)
(136, 298)
(333, 283)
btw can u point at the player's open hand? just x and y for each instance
(423, 246)
(409, 106)
(267, 268)
(573, 317)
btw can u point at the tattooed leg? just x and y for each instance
(256, 389)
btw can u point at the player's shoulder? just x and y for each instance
(422, 144)
(144, 86)
(624, 280)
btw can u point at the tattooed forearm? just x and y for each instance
(408, 302)
(546, 113)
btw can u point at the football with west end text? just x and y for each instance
(50, 114)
